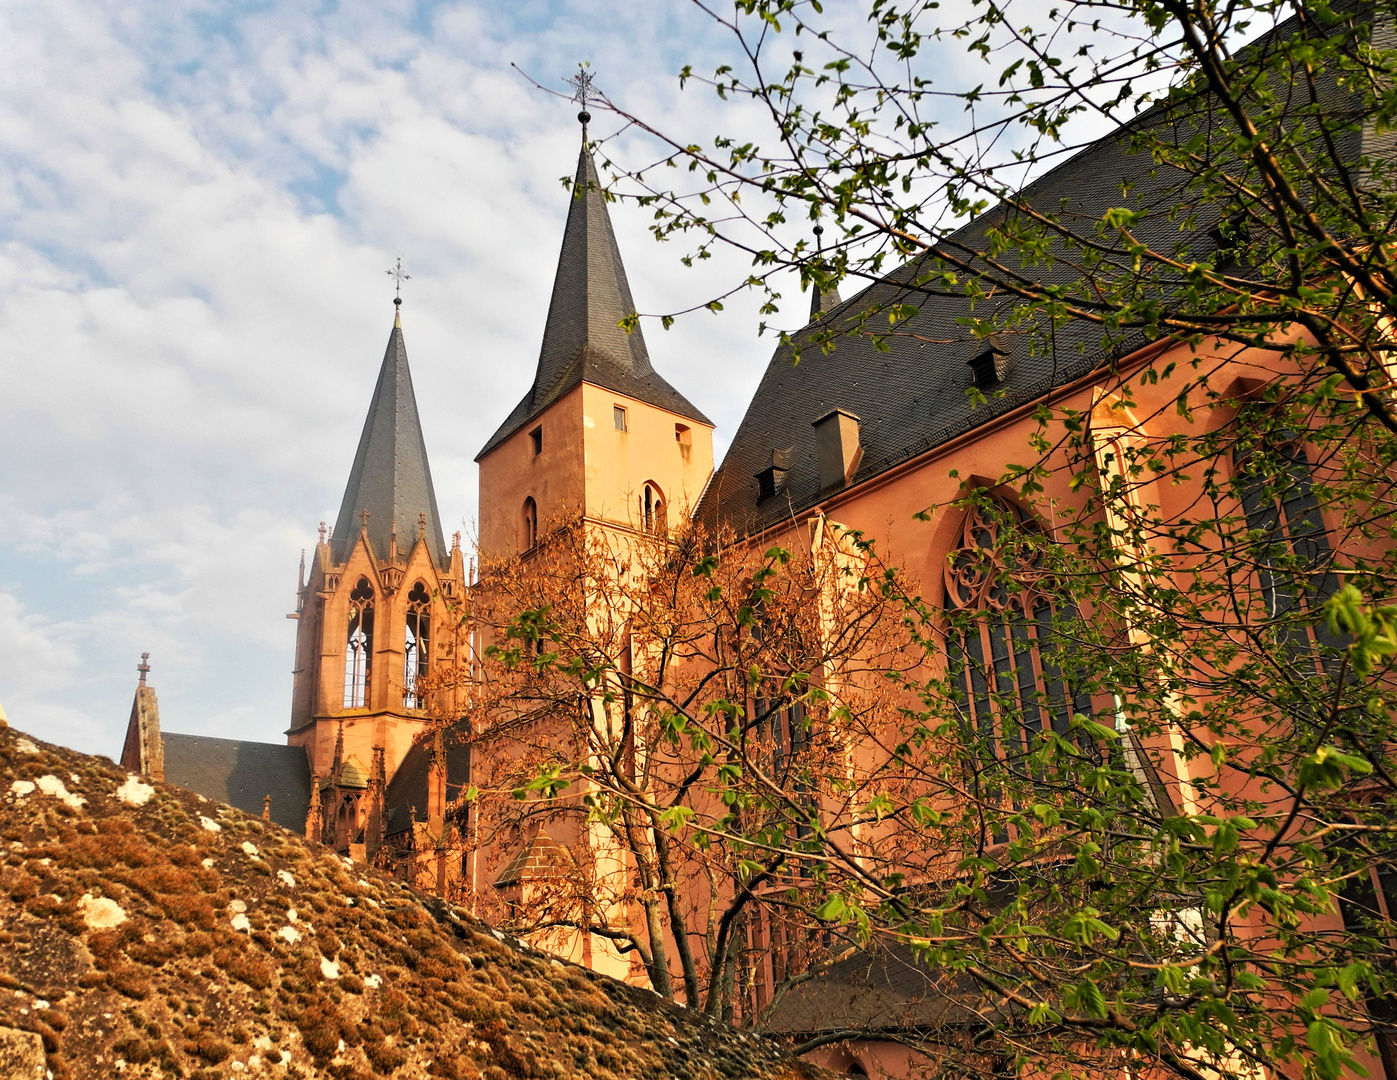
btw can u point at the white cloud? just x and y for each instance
(196, 211)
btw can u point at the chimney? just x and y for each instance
(837, 447)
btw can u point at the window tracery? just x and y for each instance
(417, 645)
(1293, 556)
(1002, 643)
(358, 653)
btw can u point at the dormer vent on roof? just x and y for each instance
(837, 447)
(990, 366)
(772, 480)
(1229, 238)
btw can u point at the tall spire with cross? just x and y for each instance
(583, 91)
(391, 479)
(582, 337)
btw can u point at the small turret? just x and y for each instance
(144, 752)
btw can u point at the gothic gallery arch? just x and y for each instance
(359, 646)
(417, 645)
(652, 509)
(1003, 636)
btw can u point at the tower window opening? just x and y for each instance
(536, 440)
(652, 510)
(359, 645)
(618, 417)
(684, 437)
(417, 646)
(530, 524)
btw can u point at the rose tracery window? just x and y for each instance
(358, 653)
(417, 645)
(1003, 640)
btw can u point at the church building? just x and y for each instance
(864, 435)
(600, 431)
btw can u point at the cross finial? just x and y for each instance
(399, 276)
(364, 518)
(144, 667)
(322, 532)
(581, 84)
(421, 524)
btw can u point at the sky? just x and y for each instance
(198, 203)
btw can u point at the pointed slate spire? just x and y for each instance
(822, 300)
(590, 295)
(391, 478)
(582, 338)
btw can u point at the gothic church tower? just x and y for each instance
(601, 434)
(373, 616)
(600, 431)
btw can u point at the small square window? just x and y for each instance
(618, 417)
(536, 440)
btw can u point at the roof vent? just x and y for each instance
(837, 446)
(1229, 238)
(772, 479)
(989, 368)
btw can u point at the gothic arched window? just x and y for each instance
(1002, 643)
(530, 524)
(1291, 552)
(417, 646)
(652, 510)
(359, 646)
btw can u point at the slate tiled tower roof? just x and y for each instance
(391, 478)
(582, 341)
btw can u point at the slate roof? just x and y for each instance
(391, 478)
(240, 773)
(880, 989)
(581, 339)
(913, 397)
(407, 790)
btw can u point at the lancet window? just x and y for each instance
(358, 653)
(781, 730)
(417, 646)
(1292, 552)
(1003, 642)
(530, 524)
